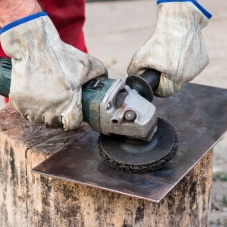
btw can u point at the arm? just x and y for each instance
(11, 10)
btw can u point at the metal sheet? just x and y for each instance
(198, 114)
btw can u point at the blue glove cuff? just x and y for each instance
(205, 12)
(21, 21)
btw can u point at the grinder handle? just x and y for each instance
(152, 77)
(145, 84)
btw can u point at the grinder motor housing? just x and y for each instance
(109, 106)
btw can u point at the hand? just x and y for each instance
(176, 49)
(47, 73)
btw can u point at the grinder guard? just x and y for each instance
(124, 112)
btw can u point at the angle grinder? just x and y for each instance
(132, 137)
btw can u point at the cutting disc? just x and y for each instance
(137, 156)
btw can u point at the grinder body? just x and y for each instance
(109, 106)
(133, 138)
(5, 76)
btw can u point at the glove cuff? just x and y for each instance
(22, 21)
(204, 11)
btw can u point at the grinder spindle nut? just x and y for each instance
(130, 116)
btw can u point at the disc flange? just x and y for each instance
(137, 156)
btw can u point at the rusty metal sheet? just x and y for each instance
(198, 114)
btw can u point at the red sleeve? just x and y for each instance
(2, 53)
(68, 17)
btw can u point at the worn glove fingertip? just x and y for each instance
(165, 88)
(72, 117)
(133, 69)
(71, 121)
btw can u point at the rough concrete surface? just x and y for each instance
(116, 29)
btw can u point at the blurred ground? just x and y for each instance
(116, 29)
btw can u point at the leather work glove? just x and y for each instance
(47, 73)
(176, 48)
